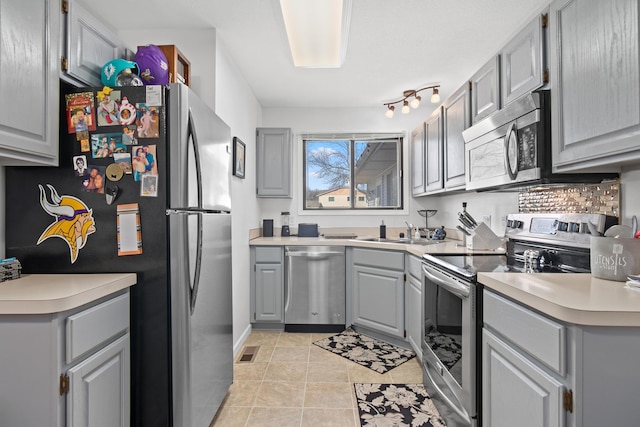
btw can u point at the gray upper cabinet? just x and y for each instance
(523, 61)
(594, 57)
(418, 186)
(434, 174)
(457, 117)
(87, 45)
(485, 90)
(29, 70)
(273, 162)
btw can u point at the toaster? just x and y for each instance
(307, 230)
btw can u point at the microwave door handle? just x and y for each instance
(512, 170)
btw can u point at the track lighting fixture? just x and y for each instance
(414, 103)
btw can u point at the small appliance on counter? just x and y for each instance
(308, 230)
(267, 228)
(286, 231)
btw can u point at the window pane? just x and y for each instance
(327, 174)
(331, 165)
(376, 173)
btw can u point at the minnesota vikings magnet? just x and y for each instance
(73, 220)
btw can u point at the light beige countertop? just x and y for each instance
(53, 293)
(447, 246)
(572, 297)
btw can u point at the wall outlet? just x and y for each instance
(487, 220)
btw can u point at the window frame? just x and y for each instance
(353, 197)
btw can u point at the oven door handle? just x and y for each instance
(448, 283)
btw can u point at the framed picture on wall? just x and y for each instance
(238, 157)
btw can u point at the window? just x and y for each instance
(352, 173)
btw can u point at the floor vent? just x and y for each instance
(249, 354)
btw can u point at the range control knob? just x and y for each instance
(563, 226)
(574, 227)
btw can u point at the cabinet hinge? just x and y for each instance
(63, 63)
(405, 333)
(65, 6)
(567, 400)
(405, 277)
(470, 87)
(545, 75)
(64, 384)
(545, 20)
(254, 315)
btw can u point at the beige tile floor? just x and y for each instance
(292, 382)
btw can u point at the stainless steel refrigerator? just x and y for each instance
(181, 321)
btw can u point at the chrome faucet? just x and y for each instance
(409, 230)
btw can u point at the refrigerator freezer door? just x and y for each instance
(199, 143)
(202, 340)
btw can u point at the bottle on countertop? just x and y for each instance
(383, 230)
(416, 234)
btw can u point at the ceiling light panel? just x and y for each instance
(317, 30)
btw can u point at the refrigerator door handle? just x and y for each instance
(198, 267)
(193, 287)
(191, 129)
(193, 136)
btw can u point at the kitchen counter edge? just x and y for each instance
(54, 293)
(447, 246)
(577, 298)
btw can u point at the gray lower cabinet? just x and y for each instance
(67, 369)
(595, 83)
(540, 372)
(88, 45)
(29, 82)
(378, 290)
(267, 280)
(413, 303)
(273, 162)
(516, 392)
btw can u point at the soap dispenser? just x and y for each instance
(383, 230)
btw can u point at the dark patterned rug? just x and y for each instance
(366, 351)
(396, 405)
(445, 347)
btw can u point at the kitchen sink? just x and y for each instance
(403, 241)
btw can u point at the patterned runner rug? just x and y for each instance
(396, 405)
(366, 351)
(448, 350)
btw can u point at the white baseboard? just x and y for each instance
(237, 347)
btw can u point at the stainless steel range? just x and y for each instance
(452, 306)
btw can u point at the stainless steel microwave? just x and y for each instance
(512, 148)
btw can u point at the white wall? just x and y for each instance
(238, 107)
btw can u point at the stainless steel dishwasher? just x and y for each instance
(314, 292)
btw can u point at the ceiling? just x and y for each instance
(394, 45)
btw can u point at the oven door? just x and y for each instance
(449, 344)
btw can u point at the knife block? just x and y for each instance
(482, 237)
